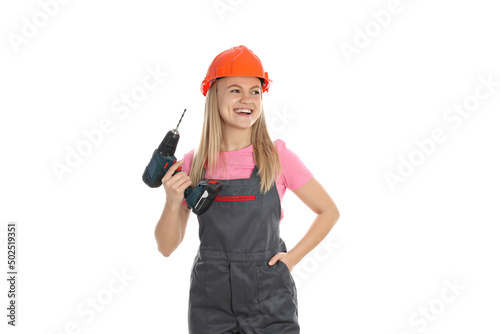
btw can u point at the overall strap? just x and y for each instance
(254, 173)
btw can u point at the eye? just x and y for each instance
(255, 92)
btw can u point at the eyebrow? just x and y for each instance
(242, 87)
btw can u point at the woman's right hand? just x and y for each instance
(175, 185)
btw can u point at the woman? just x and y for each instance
(241, 276)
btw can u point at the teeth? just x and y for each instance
(248, 111)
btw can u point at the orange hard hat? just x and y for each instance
(238, 60)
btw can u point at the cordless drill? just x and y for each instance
(199, 198)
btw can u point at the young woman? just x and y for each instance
(241, 276)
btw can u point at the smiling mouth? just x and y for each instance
(243, 111)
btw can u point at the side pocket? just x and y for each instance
(285, 266)
(286, 276)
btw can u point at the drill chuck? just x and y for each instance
(169, 144)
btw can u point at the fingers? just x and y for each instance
(174, 167)
(176, 180)
(180, 181)
(275, 258)
(171, 171)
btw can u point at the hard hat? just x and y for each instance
(238, 60)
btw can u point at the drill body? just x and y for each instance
(199, 198)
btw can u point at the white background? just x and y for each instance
(386, 266)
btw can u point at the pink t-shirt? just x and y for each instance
(240, 164)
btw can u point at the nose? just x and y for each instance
(246, 98)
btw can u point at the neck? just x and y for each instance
(235, 139)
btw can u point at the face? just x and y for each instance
(235, 95)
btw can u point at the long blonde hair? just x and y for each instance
(265, 153)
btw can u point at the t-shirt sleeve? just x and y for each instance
(186, 166)
(293, 170)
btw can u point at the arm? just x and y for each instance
(320, 202)
(171, 228)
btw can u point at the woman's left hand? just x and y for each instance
(285, 258)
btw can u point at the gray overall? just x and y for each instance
(233, 288)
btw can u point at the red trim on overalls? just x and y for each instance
(235, 198)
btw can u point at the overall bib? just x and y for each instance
(233, 288)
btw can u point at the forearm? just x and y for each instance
(319, 229)
(168, 229)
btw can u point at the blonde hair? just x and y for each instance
(265, 153)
